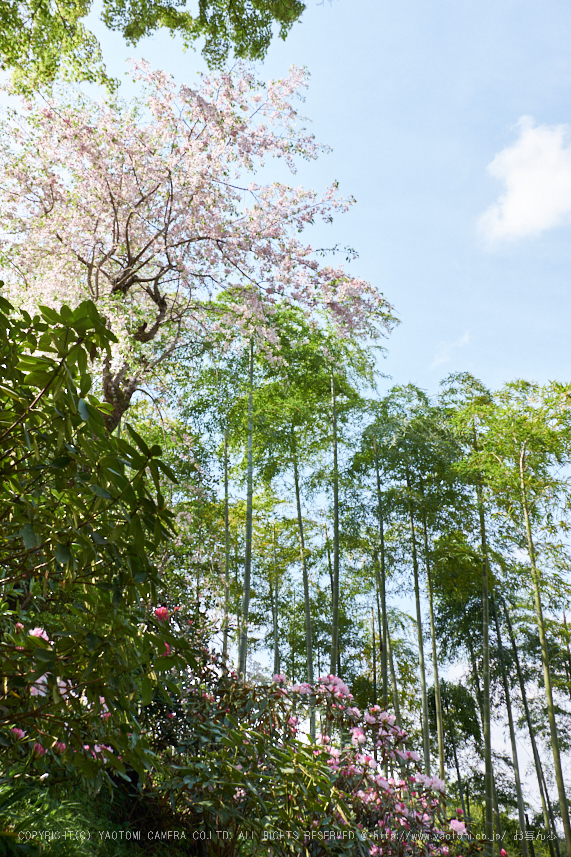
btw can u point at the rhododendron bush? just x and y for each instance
(152, 211)
(243, 770)
(82, 640)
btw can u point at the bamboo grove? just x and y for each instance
(415, 547)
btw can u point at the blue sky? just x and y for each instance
(417, 101)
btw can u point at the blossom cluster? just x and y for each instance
(153, 217)
(366, 754)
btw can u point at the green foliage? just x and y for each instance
(106, 825)
(461, 724)
(40, 40)
(244, 26)
(82, 514)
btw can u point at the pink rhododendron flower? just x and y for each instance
(59, 747)
(358, 736)
(40, 687)
(64, 687)
(38, 750)
(39, 632)
(458, 826)
(162, 614)
(19, 627)
(278, 678)
(18, 733)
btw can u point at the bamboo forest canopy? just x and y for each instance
(41, 41)
(246, 586)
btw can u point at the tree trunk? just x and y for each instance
(329, 566)
(479, 697)
(335, 600)
(547, 814)
(249, 496)
(291, 642)
(374, 658)
(275, 607)
(520, 805)
(489, 788)
(303, 557)
(437, 700)
(457, 766)
(226, 552)
(568, 665)
(545, 660)
(382, 583)
(395, 689)
(425, 729)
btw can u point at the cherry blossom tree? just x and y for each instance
(151, 211)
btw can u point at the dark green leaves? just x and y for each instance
(81, 517)
(28, 536)
(62, 554)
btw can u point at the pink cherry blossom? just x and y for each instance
(153, 211)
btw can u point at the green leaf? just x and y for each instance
(62, 554)
(147, 691)
(61, 461)
(166, 662)
(28, 536)
(82, 408)
(49, 314)
(101, 492)
(46, 655)
(139, 441)
(92, 641)
(167, 470)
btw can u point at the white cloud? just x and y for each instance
(536, 172)
(445, 350)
